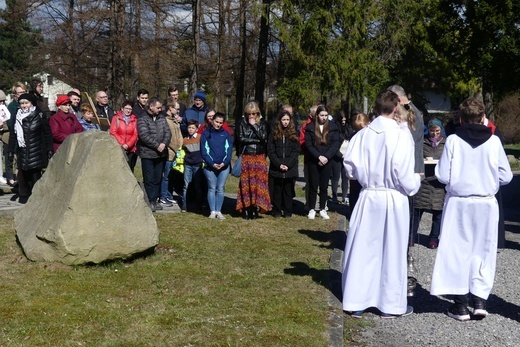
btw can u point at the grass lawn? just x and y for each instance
(209, 283)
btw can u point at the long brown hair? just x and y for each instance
(279, 132)
(320, 138)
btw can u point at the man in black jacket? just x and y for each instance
(154, 137)
(103, 110)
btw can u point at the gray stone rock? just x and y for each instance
(511, 158)
(88, 207)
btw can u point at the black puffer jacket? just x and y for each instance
(152, 132)
(252, 137)
(328, 150)
(38, 142)
(431, 194)
(283, 151)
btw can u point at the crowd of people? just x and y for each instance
(393, 167)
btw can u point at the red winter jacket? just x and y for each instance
(125, 134)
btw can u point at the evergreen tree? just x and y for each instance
(19, 45)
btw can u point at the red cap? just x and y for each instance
(62, 100)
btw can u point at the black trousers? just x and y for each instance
(319, 178)
(29, 179)
(282, 193)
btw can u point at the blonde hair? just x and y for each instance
(359, 121)
(18, 85)
(405, 115)
(252, 107)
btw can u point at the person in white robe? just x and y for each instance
(381, 158)
(473, 166)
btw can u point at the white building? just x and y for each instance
(52, 87)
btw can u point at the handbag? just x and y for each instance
(237, 167)
(343, 148)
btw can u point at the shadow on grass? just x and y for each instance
(331, 240)
(328, 278)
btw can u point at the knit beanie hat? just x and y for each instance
(200, 95)
(435, 123)
(2, 95)
(28, 96)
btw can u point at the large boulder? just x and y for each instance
(88, 207)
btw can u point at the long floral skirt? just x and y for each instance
(253, 188)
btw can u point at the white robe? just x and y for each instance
(381, 158)
(466, 257)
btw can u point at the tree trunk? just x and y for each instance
(137, 47)
(157, 48)
(72, 41)
(239, 102)
(117, 78)
(261, 62)
(196, 13)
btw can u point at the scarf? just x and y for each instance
(20, 115)
(435, 141)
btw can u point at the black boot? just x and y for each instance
(251, 211)
(245, 215)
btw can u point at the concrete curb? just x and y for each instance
(336, 309)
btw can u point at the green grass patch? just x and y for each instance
(209, 283)
(513, 149)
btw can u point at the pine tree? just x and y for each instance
(19, 45)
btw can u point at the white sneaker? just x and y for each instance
(3, 180)
(324, 215)
(213, 214)
(312, 214)
(220, 216)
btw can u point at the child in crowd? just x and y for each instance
(473, 166)
(192, 164)
(174, 120)
(86, 118)
(380, 157)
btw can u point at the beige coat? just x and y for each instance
(176, 141)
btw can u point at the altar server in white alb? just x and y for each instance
(381, 158)
(473, 165)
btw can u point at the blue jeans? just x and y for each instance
(165, 193)
(191, 172)
(216, 182)
(435, 230)
(152, 175)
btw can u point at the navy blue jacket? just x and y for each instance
(216, 147)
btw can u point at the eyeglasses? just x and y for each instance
(127, 109)
(103, 97)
